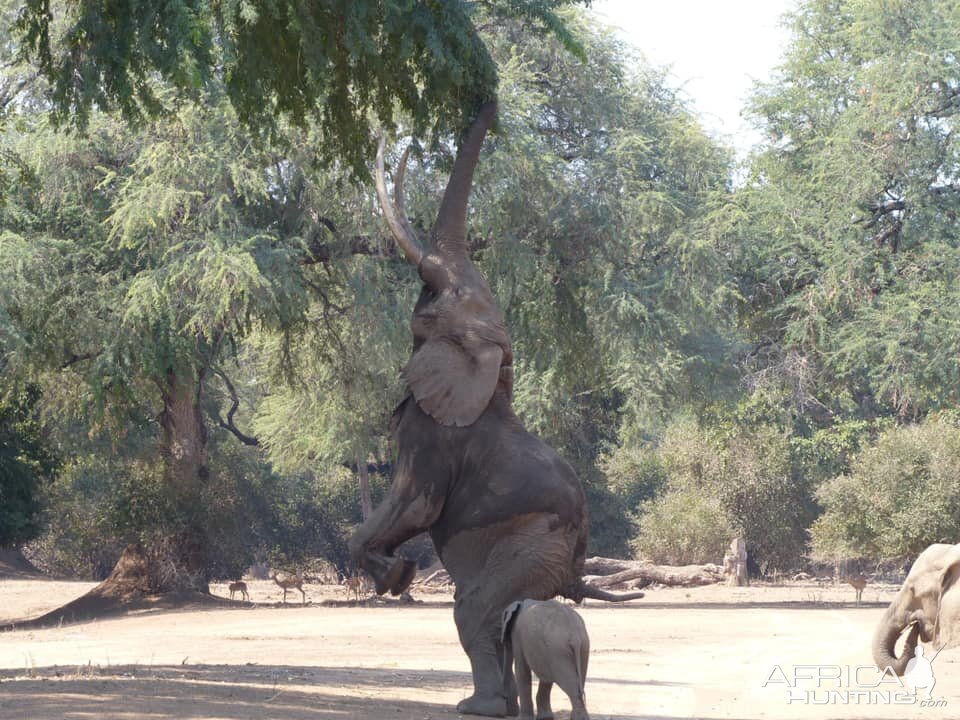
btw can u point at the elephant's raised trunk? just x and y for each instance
(450, 230)
(885, 639)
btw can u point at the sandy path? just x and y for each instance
(703, 653)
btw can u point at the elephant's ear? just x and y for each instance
(453, 382)
(507, 619)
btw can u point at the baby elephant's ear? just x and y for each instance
(507, 619)
(453, 382)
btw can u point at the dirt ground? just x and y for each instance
(713, 652)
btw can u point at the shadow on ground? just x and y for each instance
(240, 692)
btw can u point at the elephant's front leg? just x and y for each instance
(402, 515)
(526, 559)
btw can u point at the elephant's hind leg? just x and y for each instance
(544, 711)
(571, 686)
(494, 692)
(533, 561)
(525, 688)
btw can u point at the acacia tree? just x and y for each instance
(849, 248)
(134, 262)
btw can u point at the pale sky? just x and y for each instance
(715, 49)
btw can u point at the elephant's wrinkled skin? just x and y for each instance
(928, 603)
(506, 513)
(549, 639)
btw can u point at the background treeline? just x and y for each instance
(765, 346)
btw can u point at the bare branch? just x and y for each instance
(891, 235)
(74, 359)
(880, 209)
(228, 425)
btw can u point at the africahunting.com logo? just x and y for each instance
(858, 684)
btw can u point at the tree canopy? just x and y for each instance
(337, 64)
(849, 247)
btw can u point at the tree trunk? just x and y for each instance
(608, 573)
(735, 563)
(173, 569)
(183, 441)
(178, 563)
(366, 500)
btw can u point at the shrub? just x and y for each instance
(634, 474)
(901, 495)
(767, 497)
(682, 527)
(25, 462)
(749, 482)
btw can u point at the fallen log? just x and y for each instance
(609, 573)
(436, 578)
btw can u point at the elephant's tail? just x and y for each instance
(580, 590)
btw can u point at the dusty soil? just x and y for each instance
(678, 653)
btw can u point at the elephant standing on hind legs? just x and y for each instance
(928, 603)
(506, 514)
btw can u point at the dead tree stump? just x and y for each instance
(735, 563)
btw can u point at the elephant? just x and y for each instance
(551, 640)
(506, 513)
(928, 603)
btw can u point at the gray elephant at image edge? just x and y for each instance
(551, 640)
(928, 603)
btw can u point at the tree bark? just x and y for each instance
(608, 573)
(183, 441)
(735, 563)
(178, 562)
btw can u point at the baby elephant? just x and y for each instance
(550, 639)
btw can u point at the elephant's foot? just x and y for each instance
(513, 707)
(545, 716)
(407, 574)
(479, 705)
(392, 574)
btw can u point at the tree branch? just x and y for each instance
(74, 359)
(880, 209)
(228, 425)
(891, 234)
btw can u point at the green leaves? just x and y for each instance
(25, 462)
(849, 239)
(900, 495)
(333, 63)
